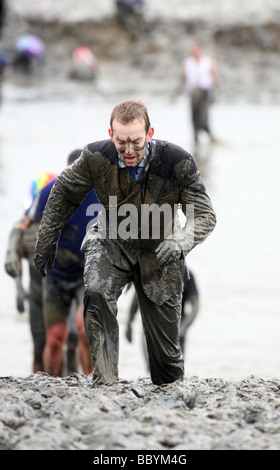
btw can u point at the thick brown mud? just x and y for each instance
(44, 413)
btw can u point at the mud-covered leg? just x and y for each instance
(37, 325)
(103, 284)
(162, 331)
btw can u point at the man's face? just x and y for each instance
(130, 140)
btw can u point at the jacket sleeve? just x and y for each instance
(196, 206)
(68, 192)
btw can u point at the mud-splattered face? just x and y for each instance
(130, 140)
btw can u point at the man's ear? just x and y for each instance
(111, 134)
(150, 134)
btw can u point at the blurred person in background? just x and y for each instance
(29, 54)
(21, 245)
(84, 64)
(21, 248)
(200, 75)
(63, 287)
(131, 15)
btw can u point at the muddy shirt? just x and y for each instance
(170, 178)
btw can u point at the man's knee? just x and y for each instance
(94, 299)
(93, 291)
(56, 336)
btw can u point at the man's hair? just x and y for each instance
(127, 111)
(73, 156)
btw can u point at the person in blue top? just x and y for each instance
(64, 283)
(69, 263)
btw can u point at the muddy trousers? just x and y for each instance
(103, 285)
(200, 102)
(36, 318)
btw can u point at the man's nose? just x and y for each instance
(128, 147)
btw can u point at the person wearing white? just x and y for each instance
(200, 75)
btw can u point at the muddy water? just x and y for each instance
(237, 332)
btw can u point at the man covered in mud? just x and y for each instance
(141, 184)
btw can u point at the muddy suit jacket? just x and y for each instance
(170, 177)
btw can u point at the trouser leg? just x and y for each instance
(36, 317)
(72, 341)
(103, 284)
(194, 121)
(204, 111)
(132, 312)
(161, 326)
(200, 111)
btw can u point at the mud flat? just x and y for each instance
(44, 413)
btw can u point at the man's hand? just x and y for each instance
(12, 263)
(168, 250)
(41, 261)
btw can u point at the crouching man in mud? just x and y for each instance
(141, 184)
